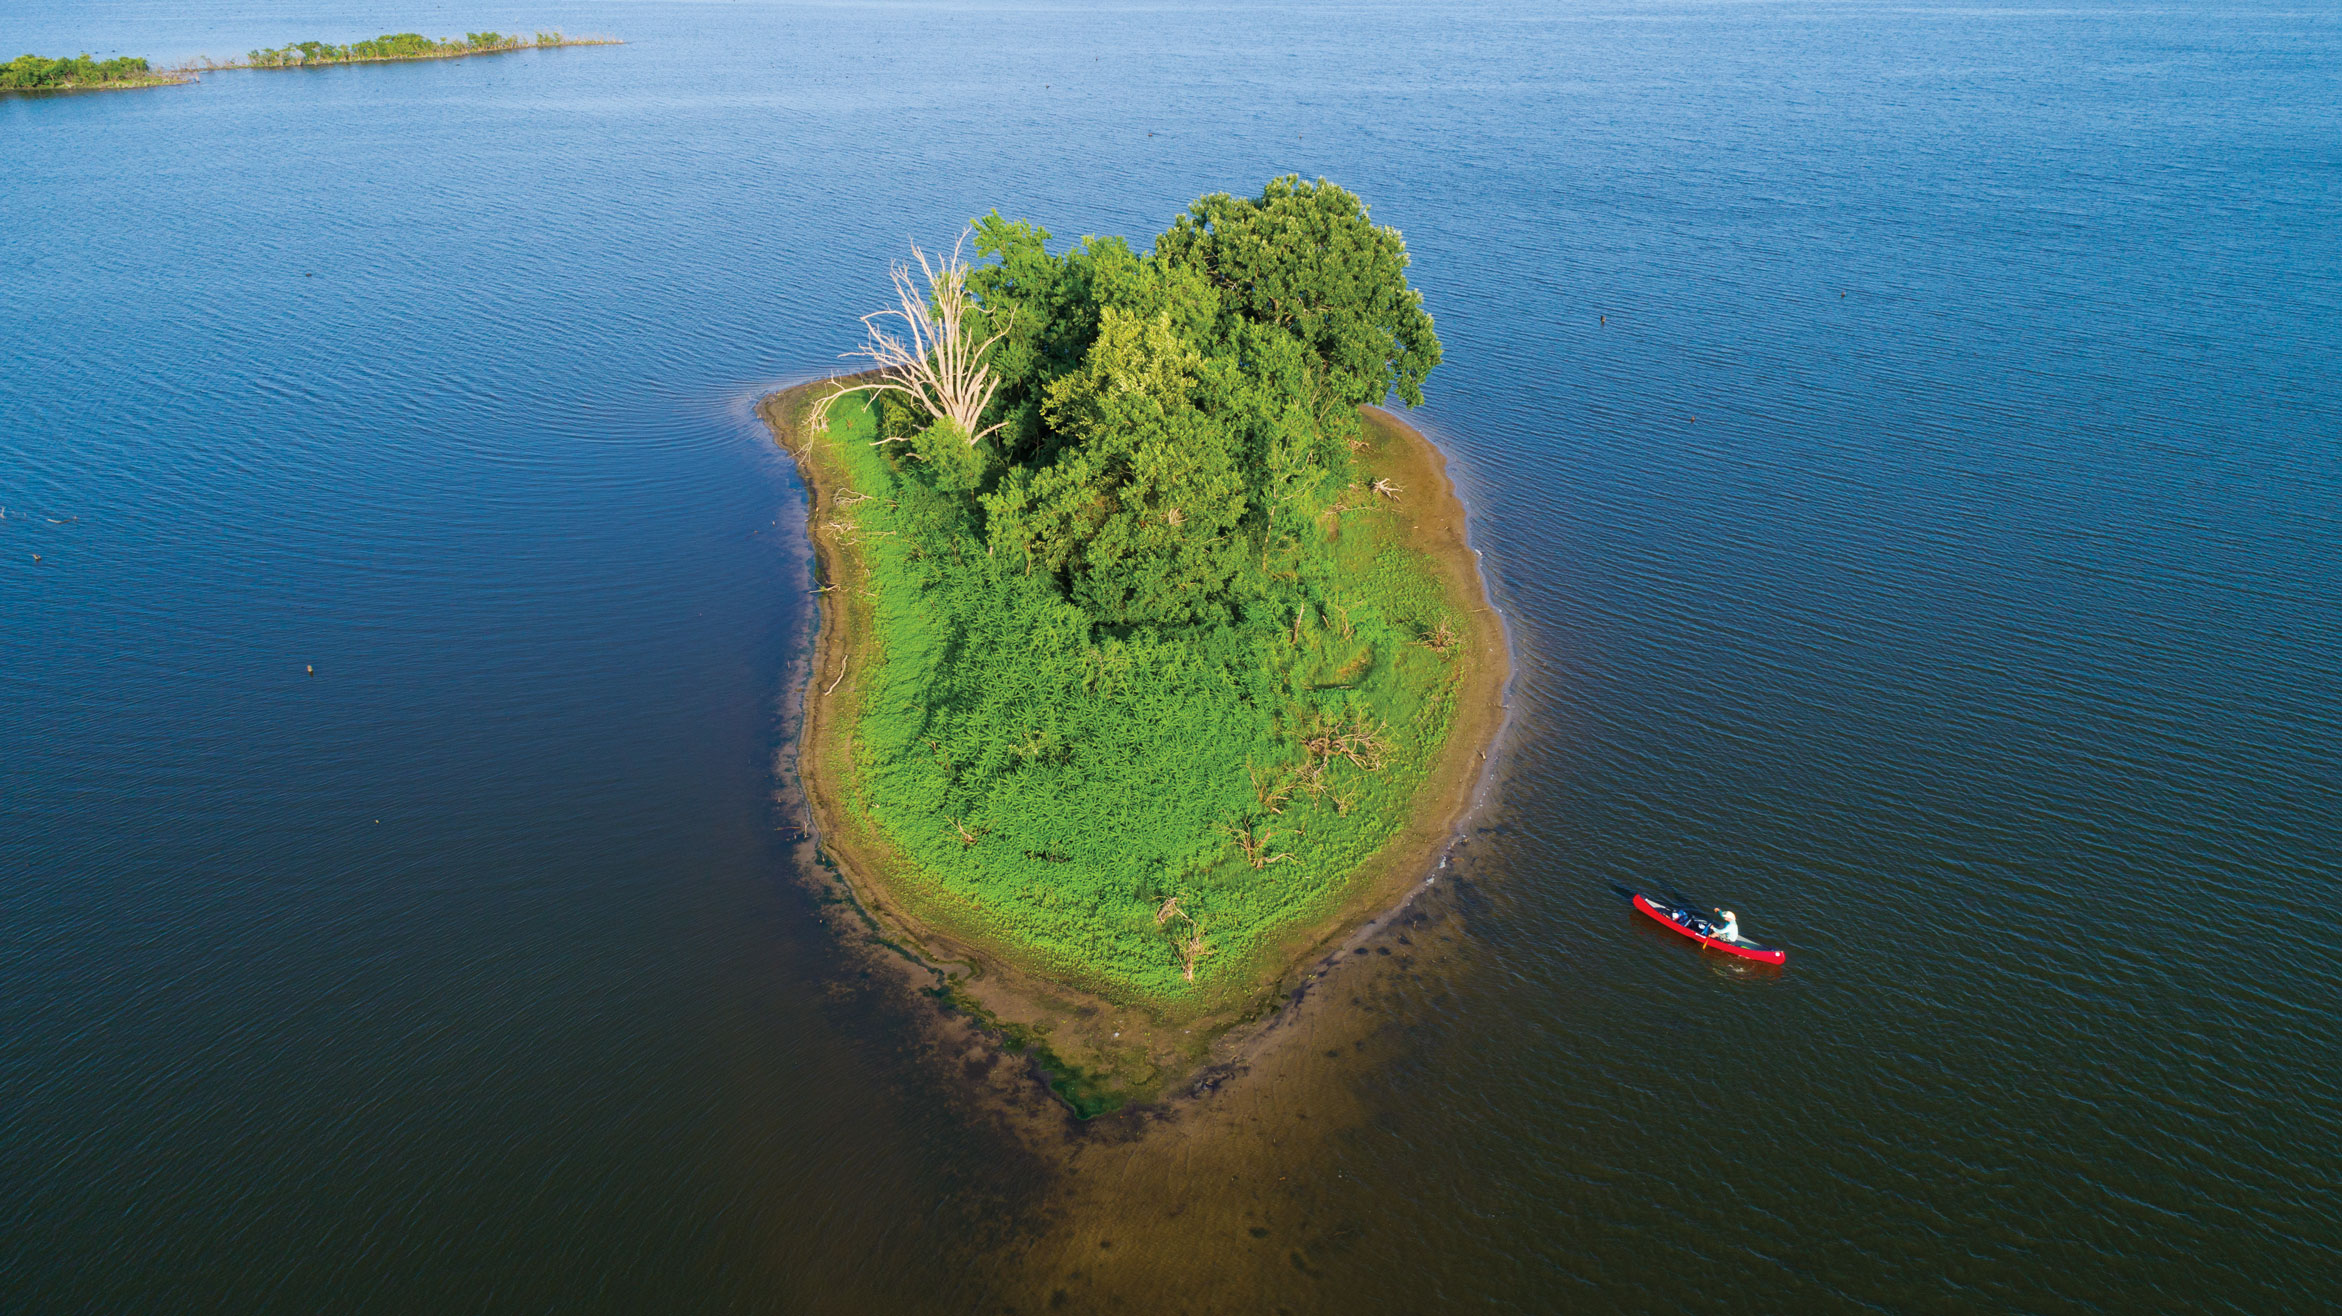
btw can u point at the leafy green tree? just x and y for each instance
(1139, 514)
(1305, 258)
(33, 72)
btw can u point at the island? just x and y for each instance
(394, 46)
(81, 73)
(1153, 658)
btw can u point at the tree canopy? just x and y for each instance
(34, 72)
(1170, 423)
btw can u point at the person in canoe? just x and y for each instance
(1727, 927)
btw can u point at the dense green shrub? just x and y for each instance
(33, 72)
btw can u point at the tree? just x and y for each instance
(1306, 259)
(1139, 515)
(935, 360)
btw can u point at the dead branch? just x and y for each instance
(1312, 779)
(1193, 949)
(1267, 789)
(1358, 743)
(1387, 489)
(1255, 845)
(1442, 638)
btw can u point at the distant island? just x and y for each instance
(1153, 656)
(81, 73)
(401, 46)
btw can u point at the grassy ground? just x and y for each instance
(1120, 773)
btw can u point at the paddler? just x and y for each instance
(1729, 928)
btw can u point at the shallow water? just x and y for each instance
(1906, 441)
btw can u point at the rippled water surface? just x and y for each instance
(1906, 441)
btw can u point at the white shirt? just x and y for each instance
(1729, 929)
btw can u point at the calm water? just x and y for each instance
(1935, 554)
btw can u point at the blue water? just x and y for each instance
(1907, 442)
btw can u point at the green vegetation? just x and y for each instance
(35, 73)
(1144, 664)
(402, 45)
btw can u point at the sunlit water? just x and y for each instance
(1906, 441)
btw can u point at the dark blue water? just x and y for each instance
(1908, 442)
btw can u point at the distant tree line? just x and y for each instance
(34, 72)
(397, 45)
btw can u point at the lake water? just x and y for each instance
(1907, 441)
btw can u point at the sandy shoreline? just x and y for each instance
(1095, 1051)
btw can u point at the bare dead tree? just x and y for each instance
(1387, 489)
(1443, 637)
(932, 357)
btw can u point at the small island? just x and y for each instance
(1153, 657)
(395, 46)
(81, 73)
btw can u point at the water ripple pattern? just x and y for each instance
(1907, 441)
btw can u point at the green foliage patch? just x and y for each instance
(396, 45)
(36, 73)
(1152, 672)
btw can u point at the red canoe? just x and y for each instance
(1689, 924)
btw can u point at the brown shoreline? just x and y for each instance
(1098, 1052)
(164, 78)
